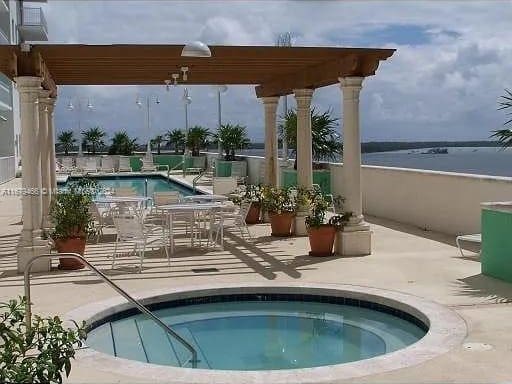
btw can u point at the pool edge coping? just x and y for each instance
(447, 330)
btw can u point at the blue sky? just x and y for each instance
(452, 63)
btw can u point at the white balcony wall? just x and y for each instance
(445, 202)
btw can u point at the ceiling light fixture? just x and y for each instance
(196, 49)
(184, 73)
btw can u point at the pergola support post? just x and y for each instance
(356, 235)
(271, 147)
(304, 153)
(51, 143)
(44, 146)
(31, 242)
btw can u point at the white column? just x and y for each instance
(356, 235)
(44, 147)
(304, 152)
(30, 243)
(271, 148)
(51, 143)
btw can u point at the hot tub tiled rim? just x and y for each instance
(447, 331)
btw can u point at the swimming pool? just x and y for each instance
(155, 183)
(260, 332)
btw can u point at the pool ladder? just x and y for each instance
(193, 360)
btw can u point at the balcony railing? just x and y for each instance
(4, 6)
(33, 26)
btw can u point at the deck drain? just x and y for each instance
(477, 347)
(203, 270)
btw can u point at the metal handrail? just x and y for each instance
(118, 289)
(196, 179)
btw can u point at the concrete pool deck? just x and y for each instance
(404, 259)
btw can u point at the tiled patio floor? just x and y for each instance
(404, 259)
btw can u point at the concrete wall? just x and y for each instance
(438, 201)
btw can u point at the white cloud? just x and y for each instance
(443, 88)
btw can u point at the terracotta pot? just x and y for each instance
(281, 224)
(321, 240)
(70, 245)
(253, 216)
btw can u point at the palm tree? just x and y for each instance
(94, 137)
(176, 139)
(66, 141)
(232, 138)
(326, 142)
(504, 136)
(158, 140)
(197, 139)
(122, 144)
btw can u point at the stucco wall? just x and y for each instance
(439, 201)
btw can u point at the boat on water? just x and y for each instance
(435, 151)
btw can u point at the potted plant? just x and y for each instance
(281, 207)
(253, 195)
(321, 235)
(339, 221)
(72, 220)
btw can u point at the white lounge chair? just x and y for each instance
(475, 238)
(150, 166)
(224, 185)
(131, 228)
(124, 191)
(91, 165)
(81, 163)
(124, 164)
(198, 165)
(67, 164)
(107, 164)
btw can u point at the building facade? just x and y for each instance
(19, 23)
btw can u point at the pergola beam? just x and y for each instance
(321, 75)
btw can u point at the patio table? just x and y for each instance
(193, 209)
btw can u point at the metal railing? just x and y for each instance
(114, 286)
(34, 17)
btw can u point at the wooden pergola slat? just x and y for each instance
(274, 70)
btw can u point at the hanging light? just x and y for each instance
(196, 49)
(70, 106)
(186, 98)
(90, 107)
(157, 100)
(138, 102)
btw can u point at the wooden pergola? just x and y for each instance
(274, 71)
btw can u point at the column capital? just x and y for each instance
(28, 83)
(44, 99)
(351, 82)
(270, 100)
(305, 93)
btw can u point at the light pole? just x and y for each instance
(284, 40)
(149, 98)
(186, 102)
(220, 90)
(71, 107)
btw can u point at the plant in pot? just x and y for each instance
(281, 206)
(253, 195)
(321, 235)
(72, 221)
(339, 221)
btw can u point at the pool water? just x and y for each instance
(137, 183)
(258, 335)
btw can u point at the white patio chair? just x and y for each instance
(124, 164)
(224, 185)
(107, 164)
(239, 171)
(171, 197)
(131, 228)
(101, 213)
(475, 238)
(229, 220)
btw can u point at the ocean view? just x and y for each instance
(474, 160)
